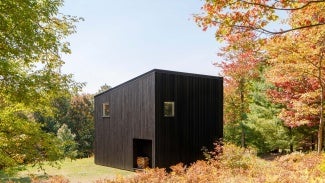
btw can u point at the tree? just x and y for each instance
(31, 45)
(75, 112)
(265, 131)
(80, 120)
(22, 141)
(68, 145)
(240, 66)
(300, 55)
(60, 107)
(242, 16)
(32, 30)
(304, 20)
(104, 88)
(301, 89)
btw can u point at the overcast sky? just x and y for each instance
(121, 39)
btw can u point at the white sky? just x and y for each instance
(121, 39)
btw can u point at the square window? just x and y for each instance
(169, 109)
(105, 110)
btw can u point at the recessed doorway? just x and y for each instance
(142, 148)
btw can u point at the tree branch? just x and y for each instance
(285, 9)
(289, 30)
(262, 30)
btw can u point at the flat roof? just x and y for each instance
(160, 71)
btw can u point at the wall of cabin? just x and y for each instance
(132, 116)
(136, 112)
(198, 119)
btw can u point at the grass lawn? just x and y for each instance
(81, 170)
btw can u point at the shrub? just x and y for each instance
(229, 163)
(235, 157)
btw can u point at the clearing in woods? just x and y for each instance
(80, 170)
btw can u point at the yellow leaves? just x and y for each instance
(312, 14)
(295, 60)
(300, 49)
(263, 23)
(294, 167)
(273, 17)
(257, 15)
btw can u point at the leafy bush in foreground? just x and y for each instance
(229, 163)
(233, 164)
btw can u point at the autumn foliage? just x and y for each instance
(237, 164)
(241, 16)
(227, 163)
(279, 45)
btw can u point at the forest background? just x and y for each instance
(274, 79)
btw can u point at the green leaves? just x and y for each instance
(73, 114)
(21, 139)
(294, 59)
(32, 34)
(67, 144)
(31, 28)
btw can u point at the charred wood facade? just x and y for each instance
(164, 115)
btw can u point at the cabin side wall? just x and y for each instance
(198, 119)
(132, 116)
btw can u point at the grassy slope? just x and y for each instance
(81, 170)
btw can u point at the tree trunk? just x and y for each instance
(291, 142)
(243, 141)
(291, 147)
(242, 112)
(320, 135)
(313, 142)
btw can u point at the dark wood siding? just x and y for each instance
(198, 119)
(137, 119)
(132, 116)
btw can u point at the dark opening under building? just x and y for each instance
(163, 115)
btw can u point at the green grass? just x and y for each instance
(81, 170)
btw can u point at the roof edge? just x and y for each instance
(158, 71)
(128, 81)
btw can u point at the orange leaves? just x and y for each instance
(310, 16)
(240, 16)
(239, 165)
(241, 57)
(298, 92)
(297, 70)
(295, 59)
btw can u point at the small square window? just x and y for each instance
(169, 109)
(105, 110)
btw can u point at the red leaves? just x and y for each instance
(295, 58)
(300, 98)
(241, 57)
(240, 16)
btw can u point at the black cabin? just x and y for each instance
(163, 115)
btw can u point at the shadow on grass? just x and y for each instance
(5, 179)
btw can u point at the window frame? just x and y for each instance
(172, 109)
(105, 113)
